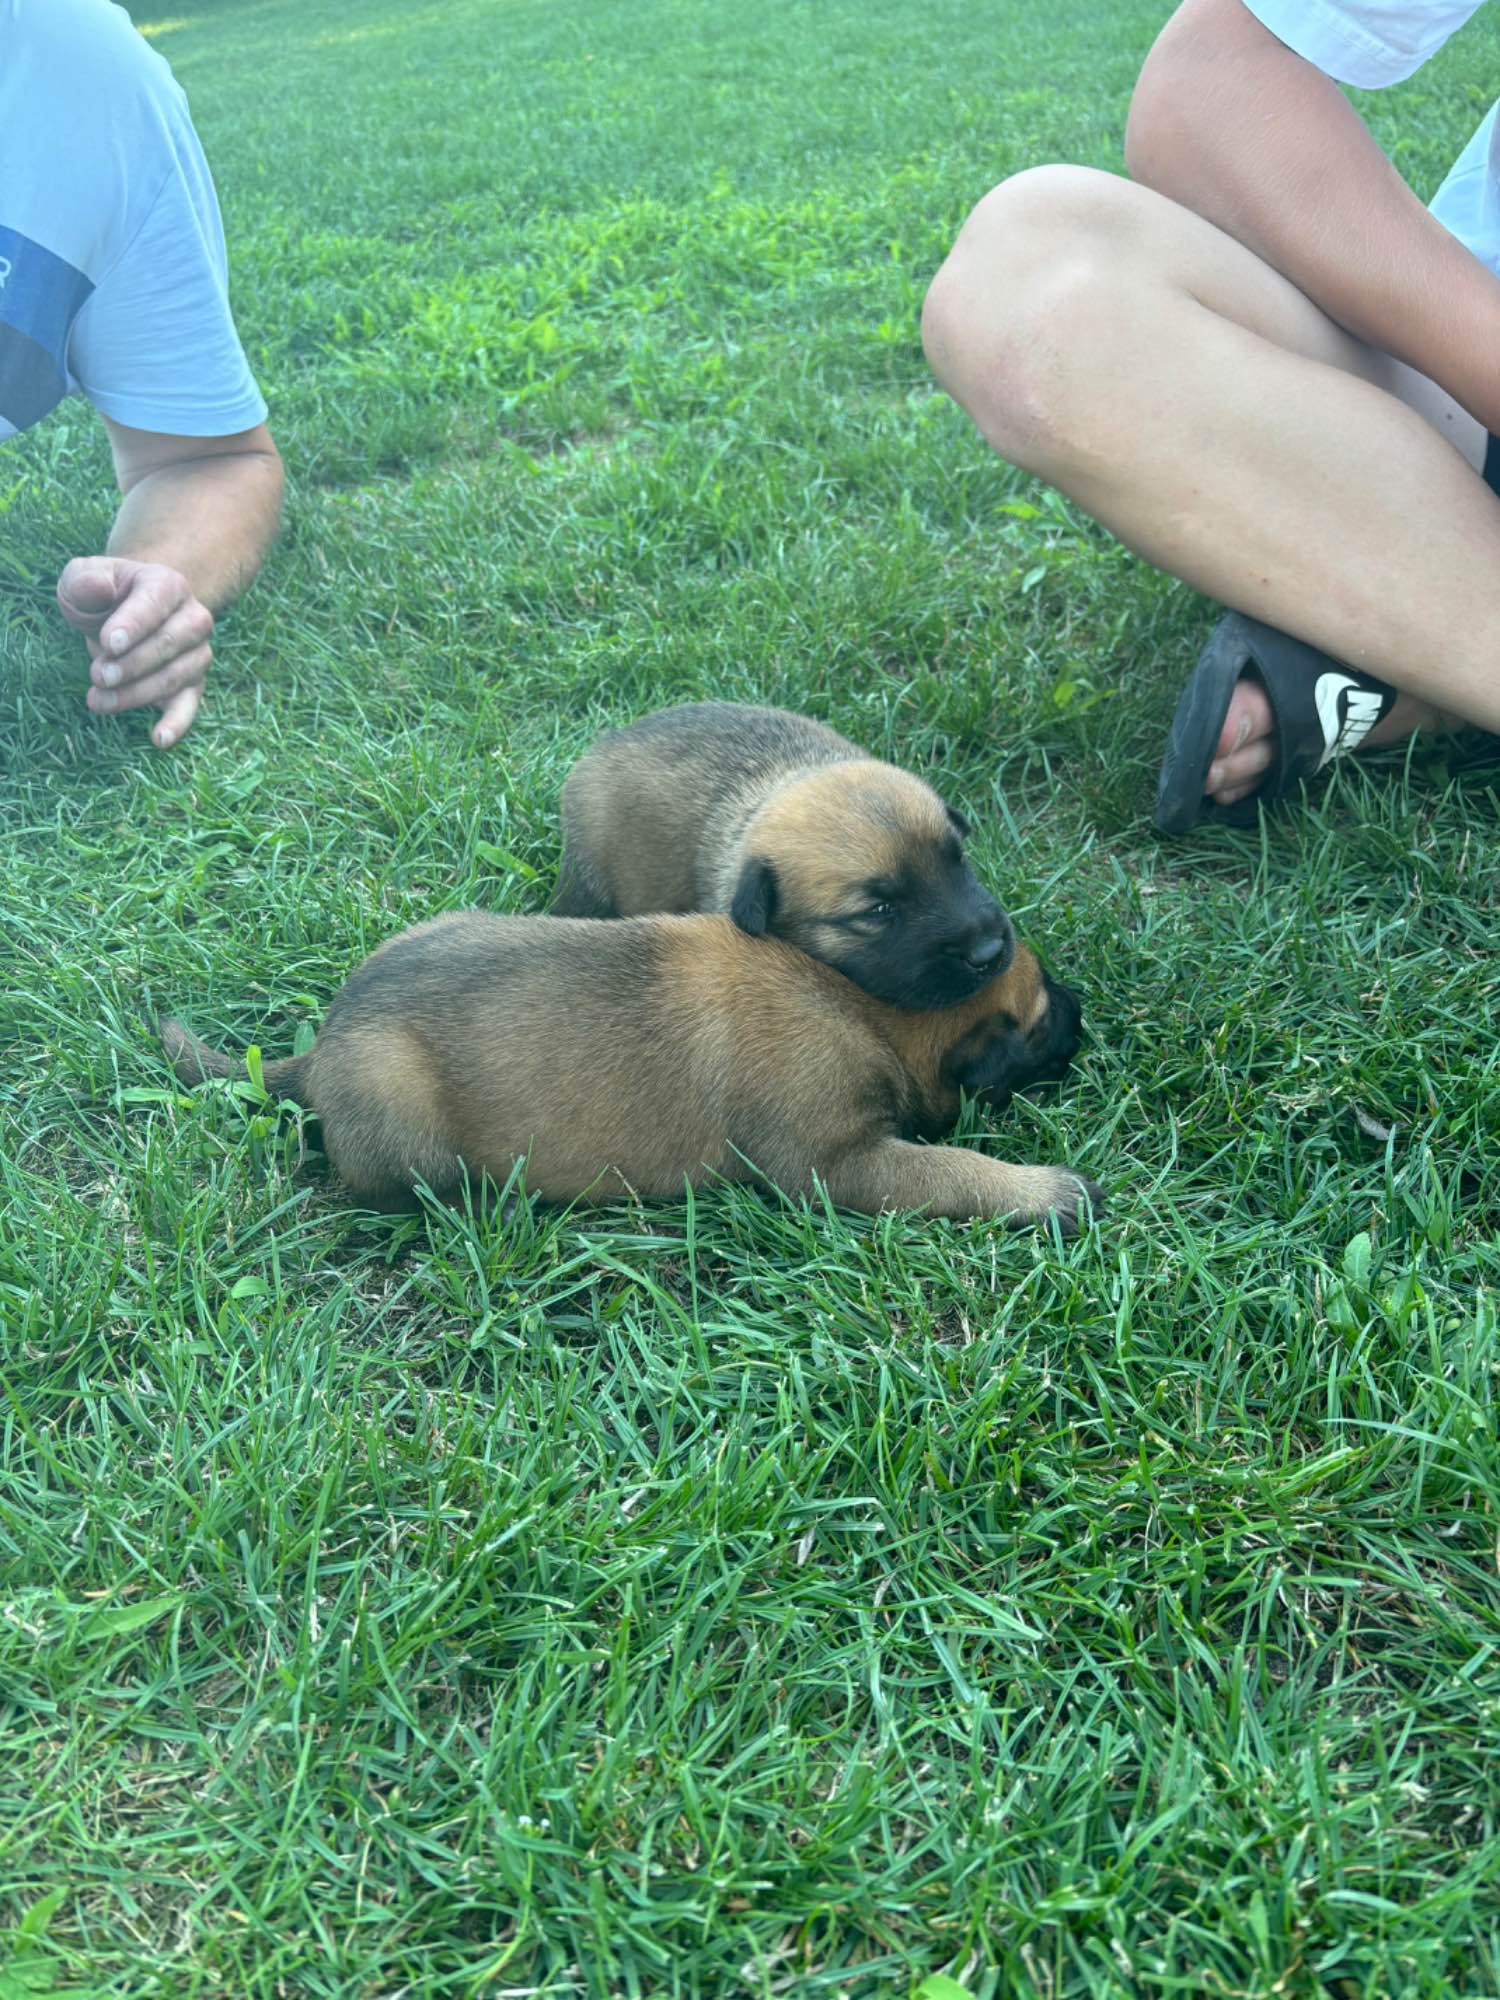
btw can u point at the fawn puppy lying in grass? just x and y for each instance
(790, 830)
(643, 1054)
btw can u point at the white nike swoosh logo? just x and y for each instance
(1360, 714)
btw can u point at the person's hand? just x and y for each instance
(147, 637)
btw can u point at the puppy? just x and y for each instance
(656, 1051)
(790, 830)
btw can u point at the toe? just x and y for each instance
(1246, 747)
(1242, 770)
(1247, 718)
(1232, 794)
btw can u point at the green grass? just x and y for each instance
(726, 1597)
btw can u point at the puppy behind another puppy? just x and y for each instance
(784, 826)
(640, 1055)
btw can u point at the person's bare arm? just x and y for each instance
(1231, 123)
(196, 519)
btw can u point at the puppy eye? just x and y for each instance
(878, 913)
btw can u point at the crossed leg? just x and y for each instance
(1209, 414)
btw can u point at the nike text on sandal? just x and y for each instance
(1321, 709)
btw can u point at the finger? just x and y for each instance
(187, 670)
(177, 716)
(187, 627)
(154, 593)
(88, 589)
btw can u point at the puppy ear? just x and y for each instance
(754, 901)
(958, 823)
(989, 1061)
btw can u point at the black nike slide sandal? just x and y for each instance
(1322, 709)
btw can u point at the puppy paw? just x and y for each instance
(1076, 1201)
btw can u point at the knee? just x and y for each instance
(1016, 323)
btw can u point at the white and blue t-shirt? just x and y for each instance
(113, 275)
(1373, 43)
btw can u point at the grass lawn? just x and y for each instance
(725, 1597)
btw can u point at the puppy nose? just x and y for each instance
(985, 952)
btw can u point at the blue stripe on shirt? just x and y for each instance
(40, 294)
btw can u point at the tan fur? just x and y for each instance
(654, 1052)
(689, 808)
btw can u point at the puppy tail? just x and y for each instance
(194, 1060)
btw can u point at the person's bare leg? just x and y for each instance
(1201, 407)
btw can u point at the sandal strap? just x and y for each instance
(1322, 710)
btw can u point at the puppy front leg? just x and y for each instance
(949, 1180)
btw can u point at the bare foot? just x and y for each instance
(1247, 743)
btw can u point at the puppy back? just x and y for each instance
(732, 736)
(652, 813)
(576, 1043)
